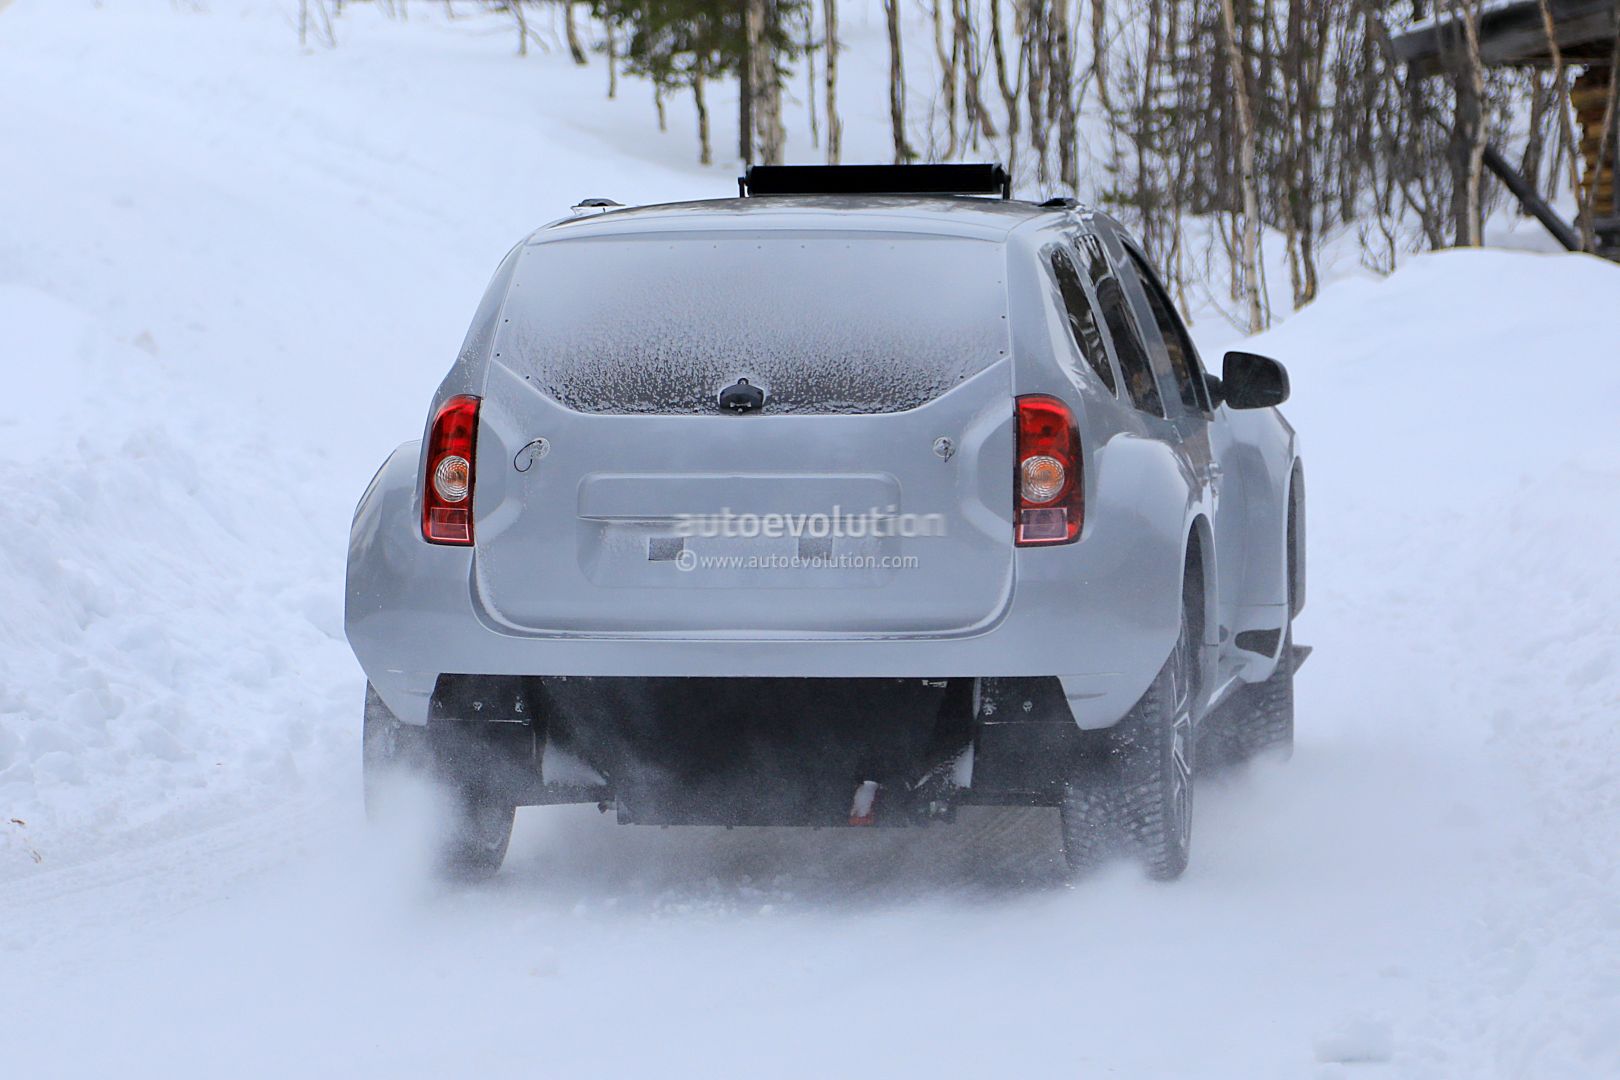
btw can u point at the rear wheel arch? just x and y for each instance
(1295, 539)
(1198, 573)
(1199, 599)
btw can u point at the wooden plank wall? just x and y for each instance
(1590, 96)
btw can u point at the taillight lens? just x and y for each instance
(1049, 498)
(447, 493)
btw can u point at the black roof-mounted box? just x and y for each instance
(875, 180)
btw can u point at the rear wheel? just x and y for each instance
(1135, 796)
(480, 830)
(474, 839)
(389, 750)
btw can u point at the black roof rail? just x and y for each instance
(985, 179)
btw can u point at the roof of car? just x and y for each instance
(937, 214)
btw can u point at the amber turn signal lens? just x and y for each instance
(452, 478)
(1043, 478)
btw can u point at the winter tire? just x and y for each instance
(475, 840)
(1136, 798)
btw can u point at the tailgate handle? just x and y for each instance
(742, 396)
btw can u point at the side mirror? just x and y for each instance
(1251, 381)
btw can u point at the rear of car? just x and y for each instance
(766, 511)
(655, 511)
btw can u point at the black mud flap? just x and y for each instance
(488, 733)
(1026, 742)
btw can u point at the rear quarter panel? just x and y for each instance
(1124, 575)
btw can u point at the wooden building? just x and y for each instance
(1514, 34)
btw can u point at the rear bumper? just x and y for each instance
(1101, 615)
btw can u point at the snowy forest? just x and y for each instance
(1203, 124)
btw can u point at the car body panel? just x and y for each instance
(587, 538)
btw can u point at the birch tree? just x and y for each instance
(1250, 266)
(897, 85)
(835, 126)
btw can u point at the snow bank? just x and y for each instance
(169, 633)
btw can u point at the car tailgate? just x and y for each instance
(840, 524)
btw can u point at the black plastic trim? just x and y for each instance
(1264, 642)
(984, 179)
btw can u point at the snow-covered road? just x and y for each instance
(230, 275)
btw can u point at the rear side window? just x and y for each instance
(1133, 358)
(1082, 320)
(1183, 357)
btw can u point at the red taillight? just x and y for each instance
(447, 490)
(1048, 482)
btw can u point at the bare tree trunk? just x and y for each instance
(897, 85)
(1305, 51)
(1303, 48)
(658, 103)
(978, 116)
(1468, 134)
(1035, 58)
(745, 83)
(314, 20)
(1566, 121)
(1063, 91)
(612, 60)
(767, 85)
(998, 56)
(835, 127)
(1312, 171)
(575, 48)
(1296, 276)
(516, 7)
(1149, 180)
(1246, 177)
(947, 76)
(700, 99)
(1099, 50)
(1543, 99)
(810, 74)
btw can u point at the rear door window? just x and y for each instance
(1082, 319)
(1133, 358)
(824, 321)
(1183, 357)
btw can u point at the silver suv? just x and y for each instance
(866, 495)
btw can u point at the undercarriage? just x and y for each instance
(758, 751)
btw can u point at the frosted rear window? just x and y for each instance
(826, 322)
